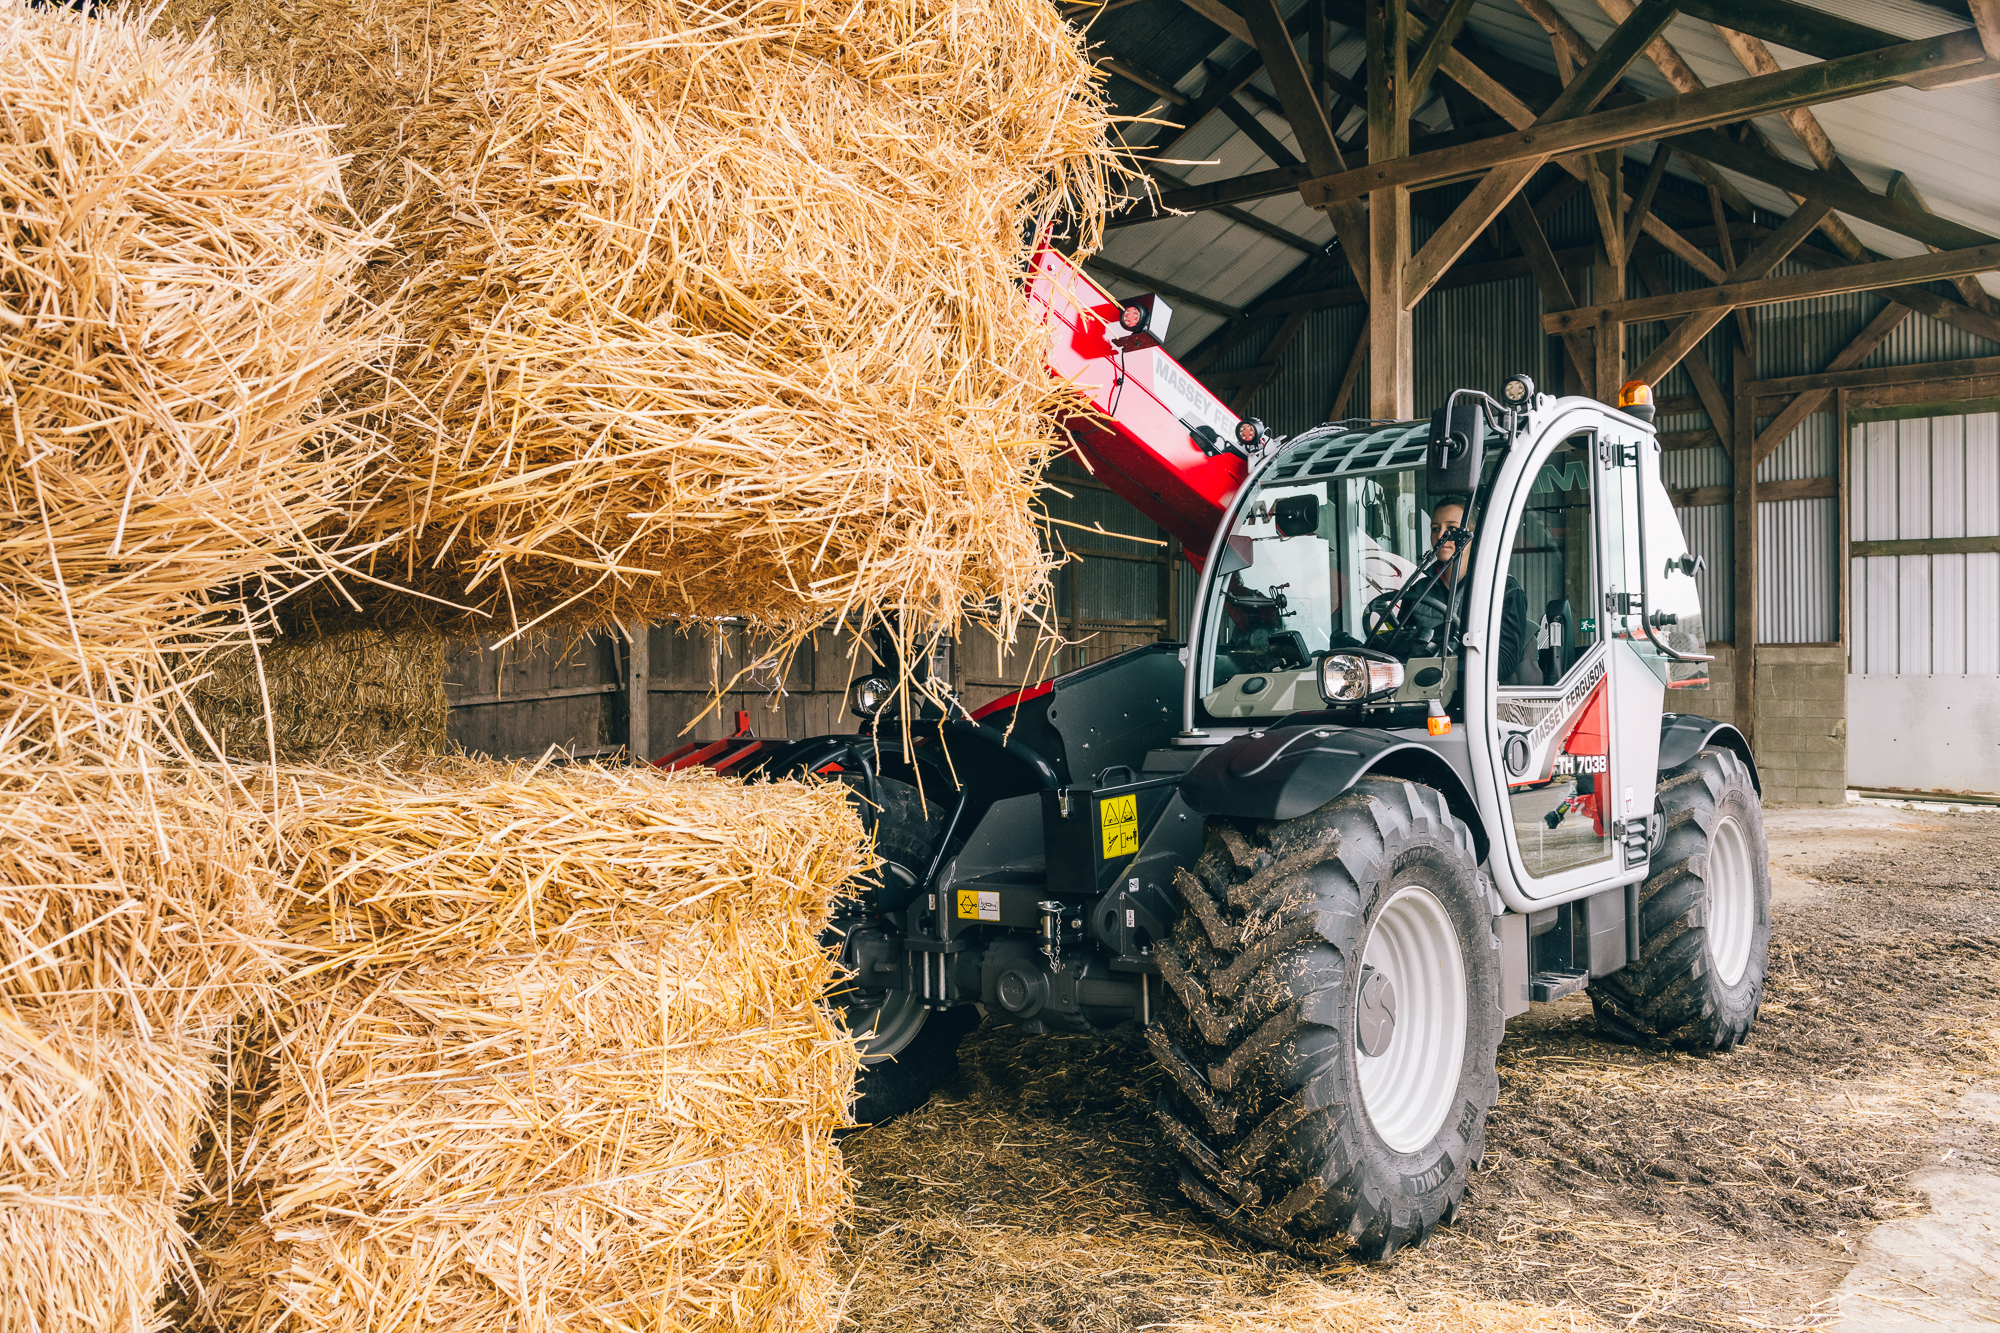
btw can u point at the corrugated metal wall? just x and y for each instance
(1926, 614)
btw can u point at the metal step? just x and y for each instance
(1555, 985)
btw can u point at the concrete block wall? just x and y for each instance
(1801, 729)
(1801, 734)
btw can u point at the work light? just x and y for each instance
(1346, 678)
(1518, 391)
(869, 695)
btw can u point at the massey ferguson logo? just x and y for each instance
(1573, 700)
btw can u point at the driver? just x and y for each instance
(1448, 514)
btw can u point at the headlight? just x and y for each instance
(1345, 678)
(869, 695)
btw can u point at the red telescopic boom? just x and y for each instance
(1139, 437)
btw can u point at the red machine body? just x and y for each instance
(1137, 438)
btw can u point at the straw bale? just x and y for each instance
(175, 294)
(560, 1063)
(136, 911)
(359, 690)
(711, 306)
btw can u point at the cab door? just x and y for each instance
(1565, 753)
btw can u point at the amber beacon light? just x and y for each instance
(1637, 398)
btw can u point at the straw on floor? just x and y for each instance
(561, 1064)
(710, 306)
(175, 294)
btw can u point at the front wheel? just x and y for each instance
(1704, 915)
(907, 1050)
(1331, 1021)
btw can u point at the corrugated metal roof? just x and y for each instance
(1943, 139)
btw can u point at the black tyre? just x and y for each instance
(1704, 915)
(1330, 1021)
(907, 1051)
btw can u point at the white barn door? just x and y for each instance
(1923, 697)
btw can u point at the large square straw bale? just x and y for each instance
(136, 914)
(709, 306)
(560, 1063)
(175, 294)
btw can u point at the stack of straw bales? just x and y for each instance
(710, 306)
(173, 298)
(559, 1062)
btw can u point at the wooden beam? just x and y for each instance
(1920, 299)
(1905, 192)
(1768, 492)
(1258, 133)
(1547, 270)
(1850, 197)
(1350, 377)
(1672, 440)
(1223, 17)
(1927, 546)
(1642, 206)
(1391, 363)
(1461, 275)
(1986, 15)
(1743, 522)
(1978, 367)
(1157, 84)
(1794, 287)
(1803, 406)
(1436, 44)
(1490, 196)
(1827, 81)
(1708, 393)
(1269, 364)
(1307, 117)
(1242, 217)
(1683, 337)
(1147, 282)
(1809, 31)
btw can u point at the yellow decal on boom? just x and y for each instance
(1118, 817)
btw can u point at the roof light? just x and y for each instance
(1250, 434)
(1518, 391)
(1636, 398)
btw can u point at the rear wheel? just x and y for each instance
(1331, 1019)
(1704, 915)
(907, 1051)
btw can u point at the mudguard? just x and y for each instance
(1684, 735)
(1293, 770)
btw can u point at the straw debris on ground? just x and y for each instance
(707, 308)
(176, 292)
(553, 1058)
(1638, 1187)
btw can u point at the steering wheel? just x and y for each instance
(1420, 624)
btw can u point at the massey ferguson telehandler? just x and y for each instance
(1411, 772)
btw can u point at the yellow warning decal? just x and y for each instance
(975, 906)
(1118, 817)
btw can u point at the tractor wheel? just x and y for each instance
(1704, 915)
(907, 1051)
(1330, 1020)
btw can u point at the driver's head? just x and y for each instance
(1449, 513)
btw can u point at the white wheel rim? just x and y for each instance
(1407, 1089)
(1732, 900)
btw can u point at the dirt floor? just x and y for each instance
(1626, 1187)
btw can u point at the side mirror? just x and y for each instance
(1296, 515)
(1457, 447)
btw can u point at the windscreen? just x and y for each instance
(1670, 586)
(1303, 563)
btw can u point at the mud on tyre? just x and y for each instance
(1704, 915)
(1330, 1021)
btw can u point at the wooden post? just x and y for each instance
(1845, 562)
(1608, 277)
(1391, 365)
(1744, 464)
(638, 693)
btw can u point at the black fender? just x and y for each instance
(1293, 770)
(1684, 735)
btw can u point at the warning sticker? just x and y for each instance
(975, 906)
(1118, 817)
